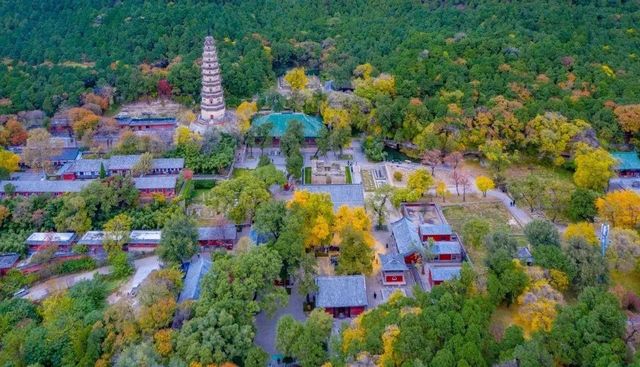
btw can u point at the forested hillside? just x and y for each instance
(565, 56)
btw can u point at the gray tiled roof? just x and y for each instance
(85, 165)
(444, 273)
(62, 238)
(8, 260)
(349, 195)
(227, 232)
(393, 262)
(167, 163)
(435, 229)
(446, 247)
(155, 182)
(45, 186)
(524, 254)
(122, 161)
(341, 291)
(119, 162)
(197, 270)
(406, 236)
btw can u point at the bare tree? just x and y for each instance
(453, 159)
(465, 182)
(40, 149)
(432, 158)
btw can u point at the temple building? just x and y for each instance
(213, 112)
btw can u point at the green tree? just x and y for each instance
(305, 341)
(590, 332)
(590, 267)
(475, 230)
(378, 203)
(582, 205)
(215, 337)
(355, 254)
(542, 233)
(179, 240)
(270, 218)
(256, 357)
(239, 197)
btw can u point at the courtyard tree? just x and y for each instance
(356, 253)
(594, 168)
(238, 197)
(179, 240)
(484, 184)
(270, 218)
(378, 203)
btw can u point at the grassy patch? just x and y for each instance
(493, 212)
(630, 281)
(307, 175)
(348, 178)
(367, 180)
(200, 195)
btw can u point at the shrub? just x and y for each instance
(203, 184)
(397, 176)
(74, 265)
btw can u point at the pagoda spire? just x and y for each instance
(212, 105)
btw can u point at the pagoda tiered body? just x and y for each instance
(212, 107)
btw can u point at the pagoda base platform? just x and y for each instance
(226, 124)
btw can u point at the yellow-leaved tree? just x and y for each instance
(581, 230)
(484, 184)
(594, 168)
(245, 111)
(8, 161)
(296, 79)
(316, 209)
(620, 208)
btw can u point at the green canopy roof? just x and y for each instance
(281, 120)
(627, 161)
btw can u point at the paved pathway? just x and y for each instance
(521, 215)
(266, 325)
(41, 290)
(143, 267)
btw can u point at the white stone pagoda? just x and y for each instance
(212, 108)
